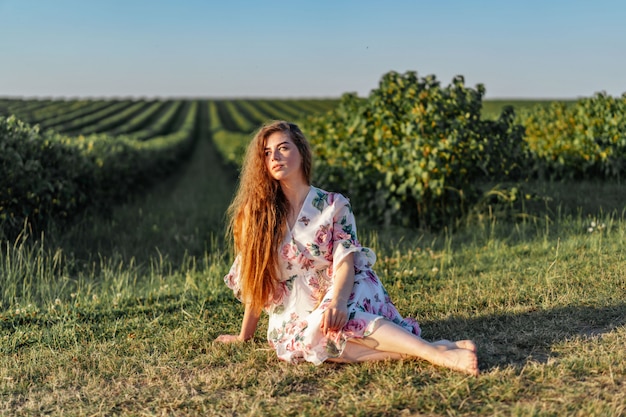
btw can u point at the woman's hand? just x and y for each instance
(228, 338)
(336, 315)
(248, 327)
(334, 318)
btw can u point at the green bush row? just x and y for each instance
(231, 145)
(47, 177)
(72, 119)
(413, 151)
(116, 119)
(585, 139)
(45, 110)
(141, 120)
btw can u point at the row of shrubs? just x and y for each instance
(416, 153)
(586, 139)
(413, 152)
(48, 177)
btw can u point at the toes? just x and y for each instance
(467, 344)
(463, 360)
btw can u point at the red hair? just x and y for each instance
(258, 213)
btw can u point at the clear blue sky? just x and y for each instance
(313, 48)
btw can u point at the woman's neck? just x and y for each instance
(296, 194)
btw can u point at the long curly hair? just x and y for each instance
(258, 214)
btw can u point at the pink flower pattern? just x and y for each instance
(282, 290)
(323, 235)
(355, 327)
(319, 284)
(289, 251)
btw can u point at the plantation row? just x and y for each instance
(74, 117)
(427, 156)
(94, 153)
(419, 153)
(414, 151)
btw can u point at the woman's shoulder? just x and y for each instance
(322, 198)
(327, 203)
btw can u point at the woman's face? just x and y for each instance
(282, 157)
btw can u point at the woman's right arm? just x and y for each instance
(248, 327)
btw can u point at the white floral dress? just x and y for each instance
(323, 235)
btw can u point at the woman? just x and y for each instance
(298, 258)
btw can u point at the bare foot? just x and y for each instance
(462, 360)
(459, 344)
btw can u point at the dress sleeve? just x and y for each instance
(233, 278)
(345, 240)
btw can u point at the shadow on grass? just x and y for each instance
(518, 338)
(574, 198)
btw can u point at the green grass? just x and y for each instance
(116, 316)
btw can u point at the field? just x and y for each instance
(115, 313)
(491, 108)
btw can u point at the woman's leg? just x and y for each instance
(389, 341)
(355, 351)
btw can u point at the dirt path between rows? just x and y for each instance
(182, 215)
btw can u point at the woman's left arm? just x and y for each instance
(336, 315)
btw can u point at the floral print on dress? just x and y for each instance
(322, 237)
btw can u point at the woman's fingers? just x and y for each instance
(337, 317)
(227, 338)
(326, 325)
(334, 319)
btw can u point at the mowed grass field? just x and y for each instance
(116, 315)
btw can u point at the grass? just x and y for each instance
(116, 316)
